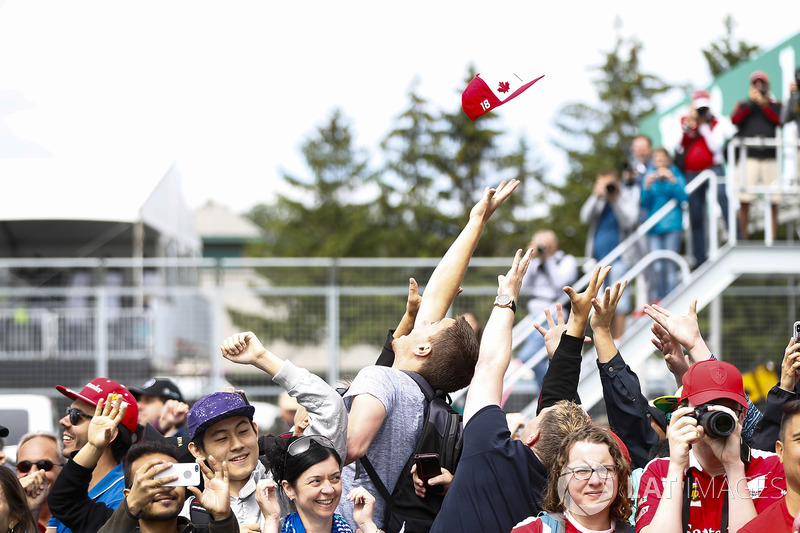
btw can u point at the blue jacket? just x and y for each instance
(661, 192)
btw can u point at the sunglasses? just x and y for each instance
(302, 444)
(45, 464)
(76, 415)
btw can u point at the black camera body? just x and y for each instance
(611, 188)
(716, 424)
(541, 250)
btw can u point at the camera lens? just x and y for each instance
(611, 188)
(541, 250)
(716, 423)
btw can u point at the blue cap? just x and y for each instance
(217, 406)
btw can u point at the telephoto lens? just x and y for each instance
(715, 423)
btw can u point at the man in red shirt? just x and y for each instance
(708, 483)
(779, 517)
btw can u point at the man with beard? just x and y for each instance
(151, 506)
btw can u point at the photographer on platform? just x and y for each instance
(550, 271)
(611, 213)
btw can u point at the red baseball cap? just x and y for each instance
(701, 98)
(759, 75)
(711, 380)
(100, 388)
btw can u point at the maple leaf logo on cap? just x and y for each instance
(504, 87)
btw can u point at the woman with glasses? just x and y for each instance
(587, 489)
(308, 470)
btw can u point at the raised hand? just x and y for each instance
(790, 367)
(511, 282)
(173, 414)
(552, 335)
(243, 348)
(216, 496)
(363, 507)
(582, 302)
(491, 200)
(268, 503)
(676, 361)
(606, 305)
(683, 328)
(107, 416)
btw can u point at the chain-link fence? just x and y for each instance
(66, 322)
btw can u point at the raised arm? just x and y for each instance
(486, 387)
(626, 406)
(561, 380)
(683, 328)
(445, 281)
(326, 410)
(69, 498)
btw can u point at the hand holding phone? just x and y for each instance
(188, 475)
(428, 466)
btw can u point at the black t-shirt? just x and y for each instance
(499, 481)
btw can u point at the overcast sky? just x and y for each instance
(99, 98)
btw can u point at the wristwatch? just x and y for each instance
(504, 300)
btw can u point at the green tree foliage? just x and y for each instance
(598, 137)
(727, 52)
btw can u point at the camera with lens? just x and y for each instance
(611, 188)
(704, 113)
(541, 250)
(715, 423)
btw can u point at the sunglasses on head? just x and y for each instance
(76, 415)
(302, 444)
(45, 464)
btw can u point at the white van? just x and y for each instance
(22, 413)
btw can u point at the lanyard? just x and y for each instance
(687, 501)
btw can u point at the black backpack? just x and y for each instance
(441, 433)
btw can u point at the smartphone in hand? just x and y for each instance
(428, 466)
(796, 331)
(188, 475)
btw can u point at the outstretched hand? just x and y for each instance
(268, 503)
(790, 366)
(243, 348)
(555, 328)
(492, 199)
(676, 361)
(606, 305)
(683, 328)
(511, 282)
(215, 496)
(107, 416)
(582, 302)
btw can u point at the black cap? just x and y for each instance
(3, 431)
(163, 387)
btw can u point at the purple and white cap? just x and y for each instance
(214, 407)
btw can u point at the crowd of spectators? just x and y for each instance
(704, 459)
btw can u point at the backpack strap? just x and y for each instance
(199, 516)
(376, 480)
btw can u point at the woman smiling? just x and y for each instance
(309, 472)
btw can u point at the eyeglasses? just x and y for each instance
(583, 473)
(76, 415)
(45, 464)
